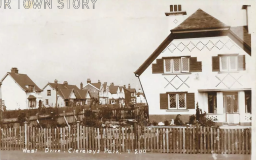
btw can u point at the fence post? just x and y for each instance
(26, 134)
(77, 133)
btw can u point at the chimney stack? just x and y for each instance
(81, 85)
(112, 83)
(88, 80)
(14, 70)
(248, 17)
(98, 81)
(124, 86)
(65, 83)
(175, 16)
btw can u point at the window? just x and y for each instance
(248, 102)
(48, 92)
(176, 65)
(46, 101)
(212, 102)
(228, 63)
(177, 101)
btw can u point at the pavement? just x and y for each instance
(19, 155)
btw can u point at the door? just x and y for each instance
(230, 100)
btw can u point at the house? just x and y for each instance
(93, 88)
(66, 95)
(204, 61)
(140, 97)
(104, 93)
(133, 93)
(116, 94)
(19, 91)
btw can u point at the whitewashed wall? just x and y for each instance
(154, 84)
(13, 95)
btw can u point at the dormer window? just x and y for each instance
(30, 88)
(176, 65)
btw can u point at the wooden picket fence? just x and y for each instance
(183, 140)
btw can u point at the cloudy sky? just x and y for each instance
(108, 43)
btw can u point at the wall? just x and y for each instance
(154, 84)
(13, 95)
(52, 98)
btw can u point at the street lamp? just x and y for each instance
(56, 88)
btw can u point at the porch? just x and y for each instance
(227, 107)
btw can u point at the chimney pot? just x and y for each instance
(98, 81)
(129, 86)
(81, 85)
(88, 80)
(124, 86)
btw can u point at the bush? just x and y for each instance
(21, 118)
(166, 123)
(192, 119)
(178, 121)
(154, 123)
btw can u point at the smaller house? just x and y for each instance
(93, 88)
(64, 94)
(140, 97)
(19, 91)
(133, 93)
(104, 93)
(116, 94)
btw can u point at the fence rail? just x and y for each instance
(184, 140)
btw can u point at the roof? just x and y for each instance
(140, 93)
(31, 97)
(65, 91)
(23, 80)
(97, 85)
(113, 89)
(202, 17)
(105, 86)
(242, 33)
(131, 89)
(200, 20)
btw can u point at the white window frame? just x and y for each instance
(228, 63)
(177, 101)
(172, 71)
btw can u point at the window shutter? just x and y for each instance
(241, 62)
(163, 101)
(158, 67)
(190, 101)
(215, 64)
(194, 65)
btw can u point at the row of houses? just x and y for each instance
(18, 91)
(203, 62)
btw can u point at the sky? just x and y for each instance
(107, 43)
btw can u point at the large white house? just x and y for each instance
(204, 61)
(19, 91)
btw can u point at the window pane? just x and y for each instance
(182, 100)
(172, 98)
(176, 65)
(212, 102)
(233, 62)
(168, 65)
(224, 63)
(248, 102)
(185, 64)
